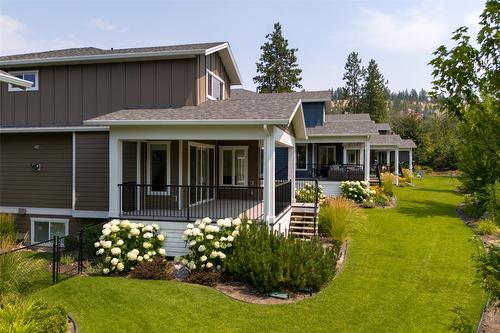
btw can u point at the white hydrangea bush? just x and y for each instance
(308, 193)
(123, 245)
(209, 243)
(358, 191)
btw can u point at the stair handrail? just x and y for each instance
(316, 199)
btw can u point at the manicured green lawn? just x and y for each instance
(405, 270)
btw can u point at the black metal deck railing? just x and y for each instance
(189, 202)
(282, 196)
(336, 172)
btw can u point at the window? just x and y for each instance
(31, 76)
(234, 162)
(215, 86)
(327, 155)
(43, 229)
(301, 158)
(353, 156)
(158, 166)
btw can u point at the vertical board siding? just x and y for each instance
(92, 171)
(20, 185)
(214, 64)
(68, 95)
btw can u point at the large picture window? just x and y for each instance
(215, 86)
(43, 229)
(158, 166)
(301, 158)
(234, 162)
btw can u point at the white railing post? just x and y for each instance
(291, 170)
(269, 176)
(410, 162)
(115, 174)
(367, 160)
(396, 166)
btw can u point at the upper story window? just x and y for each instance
(31, 76)
(215, 86)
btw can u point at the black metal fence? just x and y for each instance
(29, 268)
(282, 196)
(188, 202)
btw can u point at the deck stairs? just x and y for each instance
(302, 222)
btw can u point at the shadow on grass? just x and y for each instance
(423, 189)
(426, 208)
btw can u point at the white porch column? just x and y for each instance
(115, 174)
(344, 154)
(396, 166)
(388, 162)
(269, 176)
(410, 161)
(291, 169)
(138, 174)
(367, 160)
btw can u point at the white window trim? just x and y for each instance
(199, 145)
(169, 162)
(218, 78)
(334, 152)
(221, 168)
(307, 156)
(14, 88)
(47, 220)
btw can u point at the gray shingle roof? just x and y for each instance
(342, 128)
(268, 110)
(383, 127)
(407, 143)
(348, 117)
(321, 95)
(386, 140)
(89, 51)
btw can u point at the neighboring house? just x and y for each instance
(145, 133)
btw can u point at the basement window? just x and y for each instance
(31, 76)
(43, 229)
(215, 86)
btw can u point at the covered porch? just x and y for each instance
(181, 173)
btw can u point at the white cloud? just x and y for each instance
(101, 24)
(16, 37)
(408, 31)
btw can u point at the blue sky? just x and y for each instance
(399, 35)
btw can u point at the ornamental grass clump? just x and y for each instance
(209, 243)
(339, 217)
(123, 245)
(308, 193)
(407, 176)
(358, 191)
(388, 184)
(270, 261)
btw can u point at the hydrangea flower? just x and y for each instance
(160, 237)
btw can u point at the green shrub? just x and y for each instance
(472, 206)
(33, 316)
(486, 227)
(273, 262)
(488, 266)
(381, 200)
(157, 269)
(338, 217)
(7, 227)
(388, 184)
(492, 201)
(71, 243)
(460, 323)
(66, 259)
(205, 278)
(308, 193)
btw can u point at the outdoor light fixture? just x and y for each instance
(36, 167)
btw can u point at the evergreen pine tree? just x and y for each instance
(353, 77)
(374, 90)
(277, 69)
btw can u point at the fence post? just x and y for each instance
(80, 251)
(54, 259)
(316, 188)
